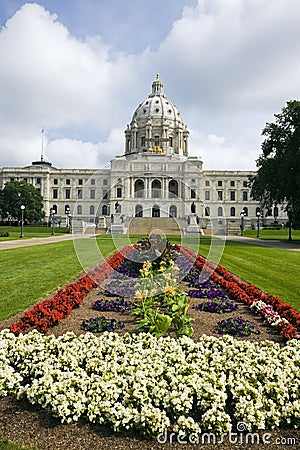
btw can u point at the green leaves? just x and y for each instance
(167, 307)
(278, 176)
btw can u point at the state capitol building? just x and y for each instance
(155, 178)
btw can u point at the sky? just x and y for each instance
(78, 69)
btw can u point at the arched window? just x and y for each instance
(173, 189)
(257, 210)
(104, 210)
(155, 211)
(79, 209)
(173, 211)
(245, 211)
(156, 189)
(54, 208)
(92, 210)
(220, 211)
(139, 188)
(207, 211)
(138, 211)
(232, 211)
(67, 209)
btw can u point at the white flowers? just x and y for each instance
(139, 382)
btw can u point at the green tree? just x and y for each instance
(277, 181)
(17, 193)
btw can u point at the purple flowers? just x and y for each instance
(217, 306)
(235, 327)
(98, 324)
(119, 305)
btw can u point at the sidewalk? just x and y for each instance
(19, 243)
(284, 245)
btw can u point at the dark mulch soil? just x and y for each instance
(32, 426)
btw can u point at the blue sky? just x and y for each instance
(79, 68)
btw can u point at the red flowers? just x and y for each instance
(247, 293)
(49, 313)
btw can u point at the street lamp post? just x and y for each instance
(52, 212)
(22, 221)
(258, 224)
(68, 214)
(242, 222)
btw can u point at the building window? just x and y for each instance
(55, 193)
(105, 181)
(143, 141)
(220, 195)
(68, 181)
(12, 179)
(220, 211)
(220, 183)
(104, 210)
(155, 211)
(119, 192)
(245, 196)
(38, 181)
(193, 193)
(170, 141)
(139, 188)
(92, 194)
(79, 193)
(207, 195)
(93, 182)
(80, 181)
(207, 183)
(138, 211)
(68, 193)
(104, 194)
(245, 211)
(156, 140)
(54, 209)
(232, 183)
(232, 195)
(173, 211)
(79, 209)
(245, 183)
(173, 189)
(156, 190)
(92, 210)
(55, 181)
(207, 211)
(232, 212)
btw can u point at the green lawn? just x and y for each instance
(8, 445)
(280, 235)
(29, 274)
(30, 231)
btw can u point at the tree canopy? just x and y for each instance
(17, 193)
(277, 181)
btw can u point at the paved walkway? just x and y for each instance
(285, 245)
(18, 243)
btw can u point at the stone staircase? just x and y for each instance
(144, 225)
(233, 229)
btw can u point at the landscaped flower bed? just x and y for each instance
(149, 384)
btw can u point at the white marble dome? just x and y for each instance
(157, 105)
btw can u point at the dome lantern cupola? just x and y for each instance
(157, 86)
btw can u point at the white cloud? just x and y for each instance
(229, 66)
